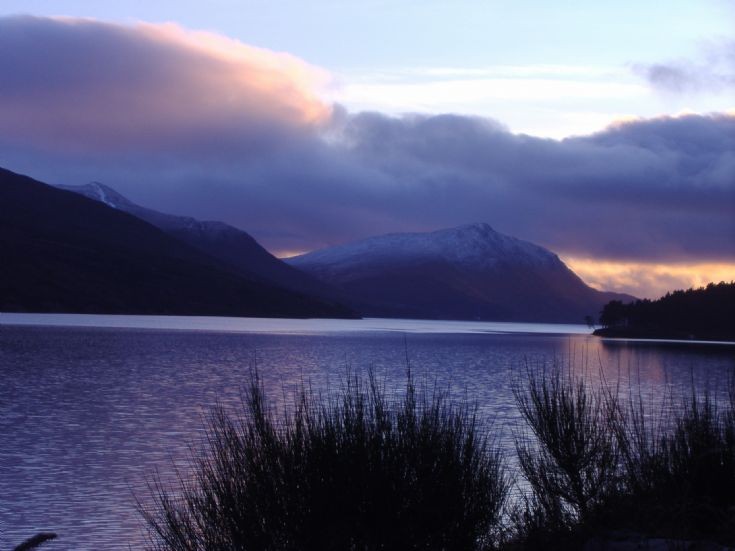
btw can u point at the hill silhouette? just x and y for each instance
(62, 252)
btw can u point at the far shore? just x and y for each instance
(638, 334)
(287, 325)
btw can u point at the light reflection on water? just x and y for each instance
(87, 415)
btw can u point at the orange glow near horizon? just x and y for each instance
(648, 280)
(286, 253)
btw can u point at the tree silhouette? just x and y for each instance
(706, 312)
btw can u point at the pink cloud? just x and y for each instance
(82, 84)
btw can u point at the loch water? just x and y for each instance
(91, 407)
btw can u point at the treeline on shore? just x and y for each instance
(706, 313)
(366, 469)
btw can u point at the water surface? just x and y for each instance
(92, 406)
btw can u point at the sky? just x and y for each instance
(604, 131)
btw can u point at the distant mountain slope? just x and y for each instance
(469, 272)
(62, 252)
(222, 241)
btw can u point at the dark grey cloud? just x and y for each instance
(714, 72)
(661, 188)
(658, 189)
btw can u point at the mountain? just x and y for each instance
(226, 243)
(468, 272)
(62, 252)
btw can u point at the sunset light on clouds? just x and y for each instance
(648, 280)
(94, 85)
(287, 85)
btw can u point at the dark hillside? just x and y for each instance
(62, 252)
(231, 246)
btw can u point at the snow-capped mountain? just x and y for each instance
(468, 272)
(472, 245)
(221, 241)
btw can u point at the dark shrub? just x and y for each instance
(595, 469)
(680, 480)
(356, 472)
(571, 463)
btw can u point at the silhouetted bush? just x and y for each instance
(594, 467)
(570, 459)
(355, 472)
(680, 477)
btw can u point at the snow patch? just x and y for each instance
(101, 195)
(472, 246)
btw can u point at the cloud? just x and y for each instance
(194, 123)
(715, 72)
(93, 86)
(660, 188)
